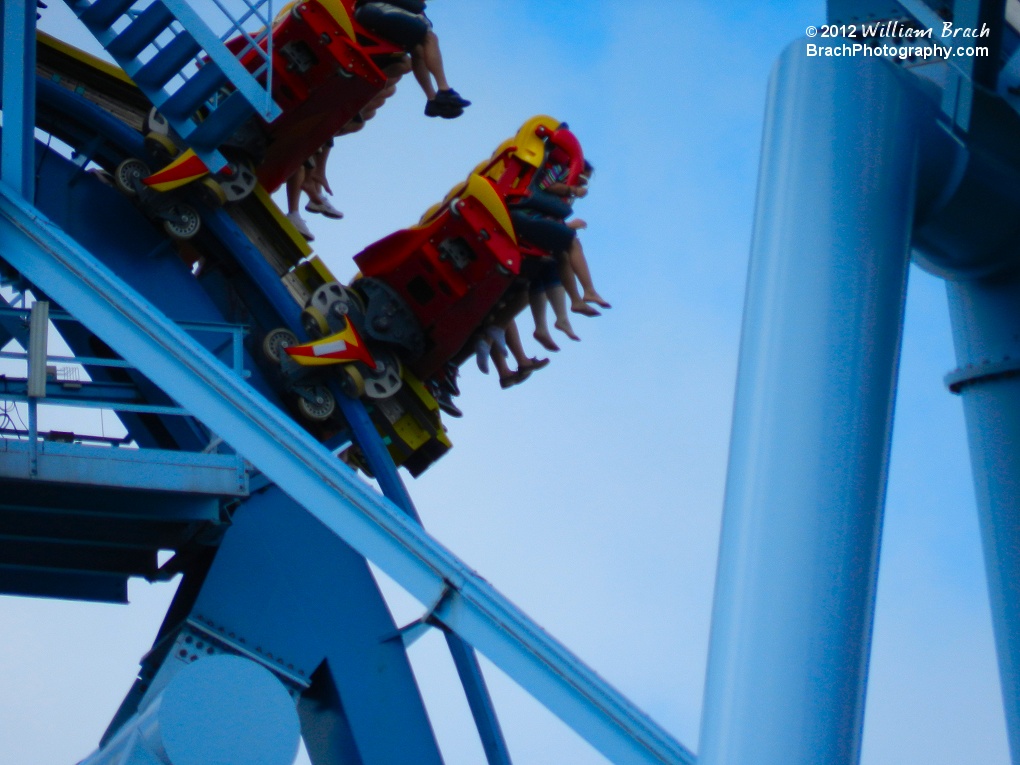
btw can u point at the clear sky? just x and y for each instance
(591, 495)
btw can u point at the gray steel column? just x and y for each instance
(809, 449)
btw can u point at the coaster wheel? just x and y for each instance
(239, 181)
(316, 403)
(161, 146)
(128, 174)
(335, 302)
(315, 323)
(385, 379)
(211, 193)
(352, 382)
(185, 222)
(275, 343)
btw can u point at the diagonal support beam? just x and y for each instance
(464, 658)
(329, 490)
(11, 328)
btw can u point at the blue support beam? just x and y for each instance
(470, 672)
(193, 39)
(17, 144)
(106, 507)
(83, 539)
(988, 17)
(75, 585)
(464, 658)
(986, 333)
(301, 599)
(105, 559)
(329, 491)
(968, 237)
(218, 475)
(12, 326)
(219, 709)
(965, 69)
(381, 466)
(812, 420)
(138, 525)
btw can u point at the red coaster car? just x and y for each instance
(448, 273)
(423, 293)
(427, 289)
(325, 69)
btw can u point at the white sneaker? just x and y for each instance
(324, 208)
(301, 226)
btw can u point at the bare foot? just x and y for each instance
(584, 309)
(546, 341)
(514, 378)
(597, 299)
(532, 365)
(567, 330)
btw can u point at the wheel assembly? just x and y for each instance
(314, 322)
(276, 341)
(315, 403)
(129, 174)
(238, 180)
(211, 193)
(182, 222)
(388, 318)
(161, 146)
(385, 379)
(352, 381)
(334, 302)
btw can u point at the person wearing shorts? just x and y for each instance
(541, 219)
(404, 22)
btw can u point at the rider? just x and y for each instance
(541, 218)
(404, 22)
(311, 177)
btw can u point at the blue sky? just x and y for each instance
(591, 495)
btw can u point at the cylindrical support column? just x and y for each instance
(985, 315)
(809, 448)
(220, 709)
